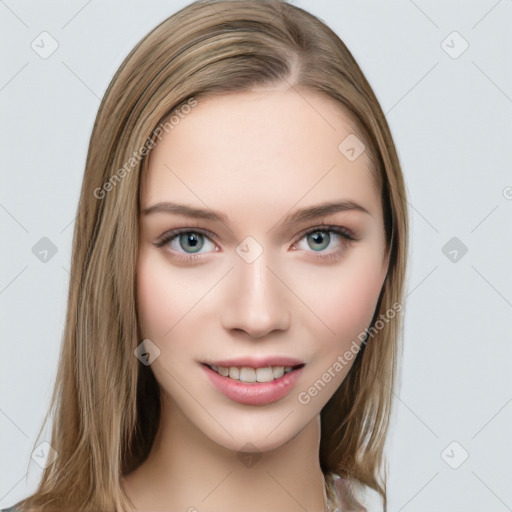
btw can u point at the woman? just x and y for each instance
(256, 371)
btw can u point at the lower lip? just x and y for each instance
(254, 393)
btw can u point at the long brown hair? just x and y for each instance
(105, 405)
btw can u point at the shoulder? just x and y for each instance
(352, 496)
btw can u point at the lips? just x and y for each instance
(254, 393)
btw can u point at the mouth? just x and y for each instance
(253, 375)
(254, 385)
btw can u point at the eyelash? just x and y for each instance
(344, 233)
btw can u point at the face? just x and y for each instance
(243, 275)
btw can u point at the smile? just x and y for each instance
(249, 375)
(254, 392)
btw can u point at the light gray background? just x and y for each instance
(452, 123)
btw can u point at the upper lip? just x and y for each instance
(256, 362)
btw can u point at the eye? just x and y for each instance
(186, 240)
(321, 237)
(186, 243)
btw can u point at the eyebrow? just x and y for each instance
(302, 215)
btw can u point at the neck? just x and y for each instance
(186, 470)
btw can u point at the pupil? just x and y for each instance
(192, 239)
(317, 237)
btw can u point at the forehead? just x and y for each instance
(260, 151)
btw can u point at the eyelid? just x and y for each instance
(318, 227)
(342, 230)
(172, 233)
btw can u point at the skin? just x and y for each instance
(256, 157)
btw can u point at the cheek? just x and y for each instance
(170, 299)
(343, 299)
(160, 305)
(354, 304)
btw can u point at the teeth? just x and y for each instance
(223, 371)
(247, 374)
(278, 371)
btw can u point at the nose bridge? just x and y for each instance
(256, 301)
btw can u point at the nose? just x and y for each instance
(255, 299)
